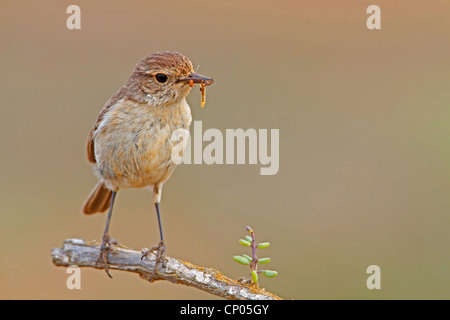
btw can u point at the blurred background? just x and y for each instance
(364, 144)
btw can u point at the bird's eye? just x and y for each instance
(161, 77)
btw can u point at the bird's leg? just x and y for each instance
(106, 241)
(160, 249)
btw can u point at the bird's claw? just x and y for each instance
(103, 257)
(160, 253)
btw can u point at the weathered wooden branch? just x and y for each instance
(80, 253)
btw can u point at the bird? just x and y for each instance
(130, 144)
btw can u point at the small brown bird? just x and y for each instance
(130, 145)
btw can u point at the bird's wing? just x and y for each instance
(90, 141)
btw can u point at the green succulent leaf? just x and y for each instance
(264, 260)
(263, 245)
(241, 260)
(248, 238)
(245, 242)
(254, 276)
(269, 273)
(248, 257)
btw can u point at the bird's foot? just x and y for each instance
(160, 252)
(107, 242)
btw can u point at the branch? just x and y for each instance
(80, 253)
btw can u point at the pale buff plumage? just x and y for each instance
(136, 145)
(130, 145)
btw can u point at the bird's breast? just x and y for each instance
(133, 144)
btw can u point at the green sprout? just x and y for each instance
(253, 261)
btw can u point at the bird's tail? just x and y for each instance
(99, 200)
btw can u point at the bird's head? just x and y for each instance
(166, 77)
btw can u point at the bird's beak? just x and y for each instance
(194, 78)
